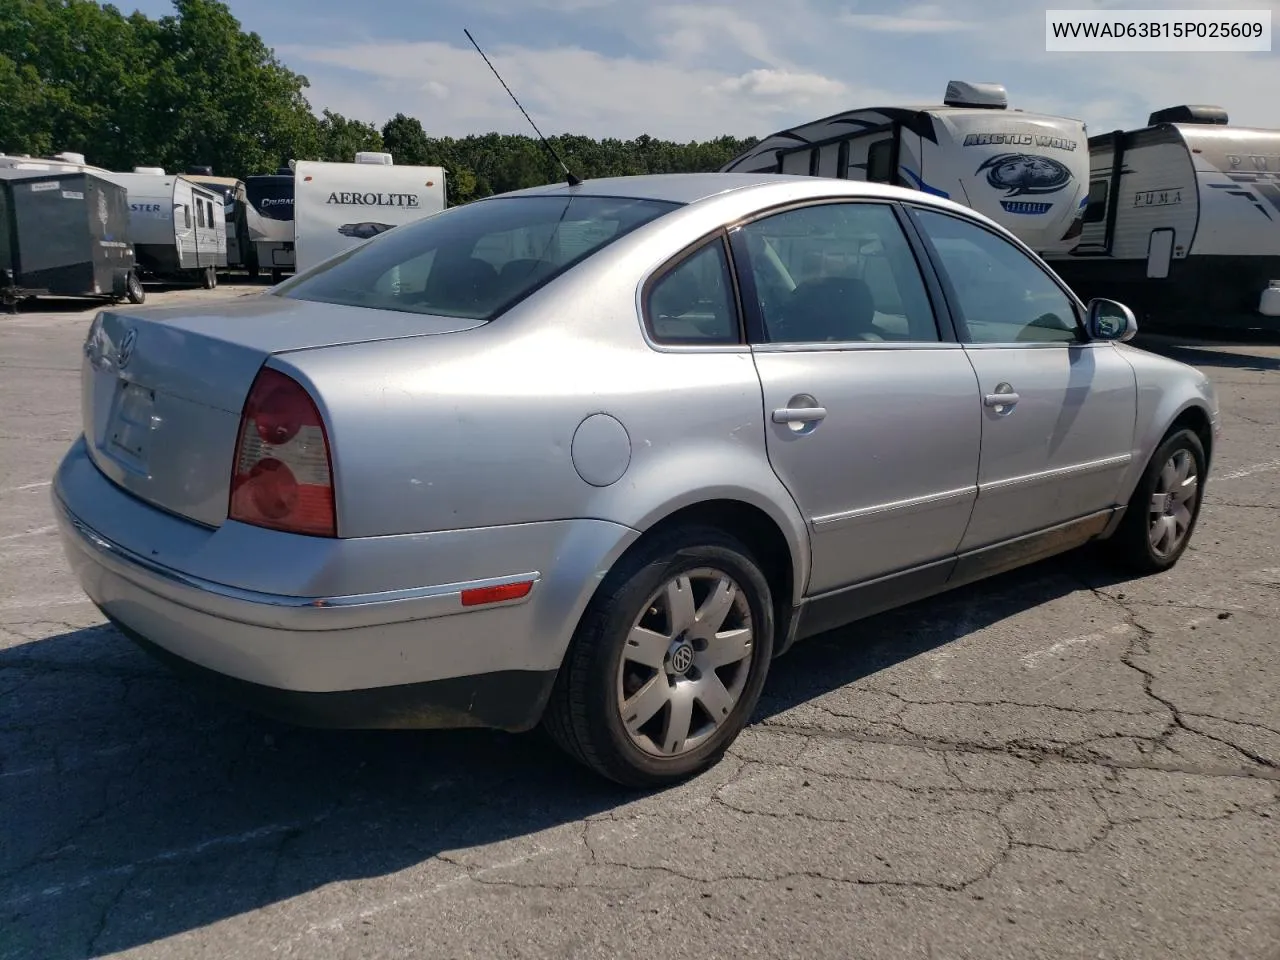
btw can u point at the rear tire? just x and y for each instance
(667, 664)
(1165, 507)
(209, 279)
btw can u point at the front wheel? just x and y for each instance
(1163, 511)
(668, 661)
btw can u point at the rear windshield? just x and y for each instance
(476, 260)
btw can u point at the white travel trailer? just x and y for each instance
(177, 227)
(269, 219)
(1026, 171)
(71, 162)
(340, 205)
(240, 249)
(1183, 222)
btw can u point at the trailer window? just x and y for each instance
(880, 162)
(476, 260)
(1096, 210)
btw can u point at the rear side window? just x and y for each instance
(473, 261)
(693, 302)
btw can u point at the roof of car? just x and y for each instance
(688, 187)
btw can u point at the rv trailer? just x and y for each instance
(1026, 171)
(240, 249)
(1183, 222)
(176, 226)
(59, 162)
(340, 205)
(270, 220)
(64, 233)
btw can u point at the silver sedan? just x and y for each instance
(592, 456)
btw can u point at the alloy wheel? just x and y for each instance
(1173, 504)
(686, 662)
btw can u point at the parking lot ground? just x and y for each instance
(1053, 764)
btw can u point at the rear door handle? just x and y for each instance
(799, 414)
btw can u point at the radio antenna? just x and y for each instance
(569, 177)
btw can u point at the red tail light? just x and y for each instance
(282, 476)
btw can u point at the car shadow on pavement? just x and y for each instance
(136, 810)
(1213, 355)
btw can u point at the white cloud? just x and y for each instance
(697, 31)
(924, 18)
(783, 84)
(565, 89)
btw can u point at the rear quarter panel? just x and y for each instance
(477, 428)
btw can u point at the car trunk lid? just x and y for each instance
(162, 390)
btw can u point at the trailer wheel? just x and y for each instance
(277, 275)
(133, 289)
(209, 279)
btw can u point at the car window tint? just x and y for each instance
(1003, 295)
(693, 302)
(839, 272)
(476, 260)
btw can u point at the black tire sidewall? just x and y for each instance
(693, 550)
(1137, 532)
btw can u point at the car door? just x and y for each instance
(872, 416)
(1057, 411)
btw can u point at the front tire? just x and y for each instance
(668, 661)
(1165, 507)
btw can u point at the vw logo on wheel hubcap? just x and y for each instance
(681, 658)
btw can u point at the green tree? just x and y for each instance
(188, 88)
(405, 139)
(339, 139)
(194, 88)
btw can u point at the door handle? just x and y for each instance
(1000, 399)
(799, 414)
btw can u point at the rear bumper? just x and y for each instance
(337, 636)
(510, 700)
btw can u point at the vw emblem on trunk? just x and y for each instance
(126, 349)
(1025, 173)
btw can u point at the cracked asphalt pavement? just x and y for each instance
(1052, 764)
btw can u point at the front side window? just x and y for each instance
(1002, 294)
(838, 272)
(693, 302)
(476, 260)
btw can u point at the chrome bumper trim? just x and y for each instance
(278, 611)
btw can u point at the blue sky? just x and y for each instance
(686, 71)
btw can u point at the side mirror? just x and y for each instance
(1109, 320)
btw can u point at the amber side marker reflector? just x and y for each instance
(508, 591)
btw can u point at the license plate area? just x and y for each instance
(130, 427)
